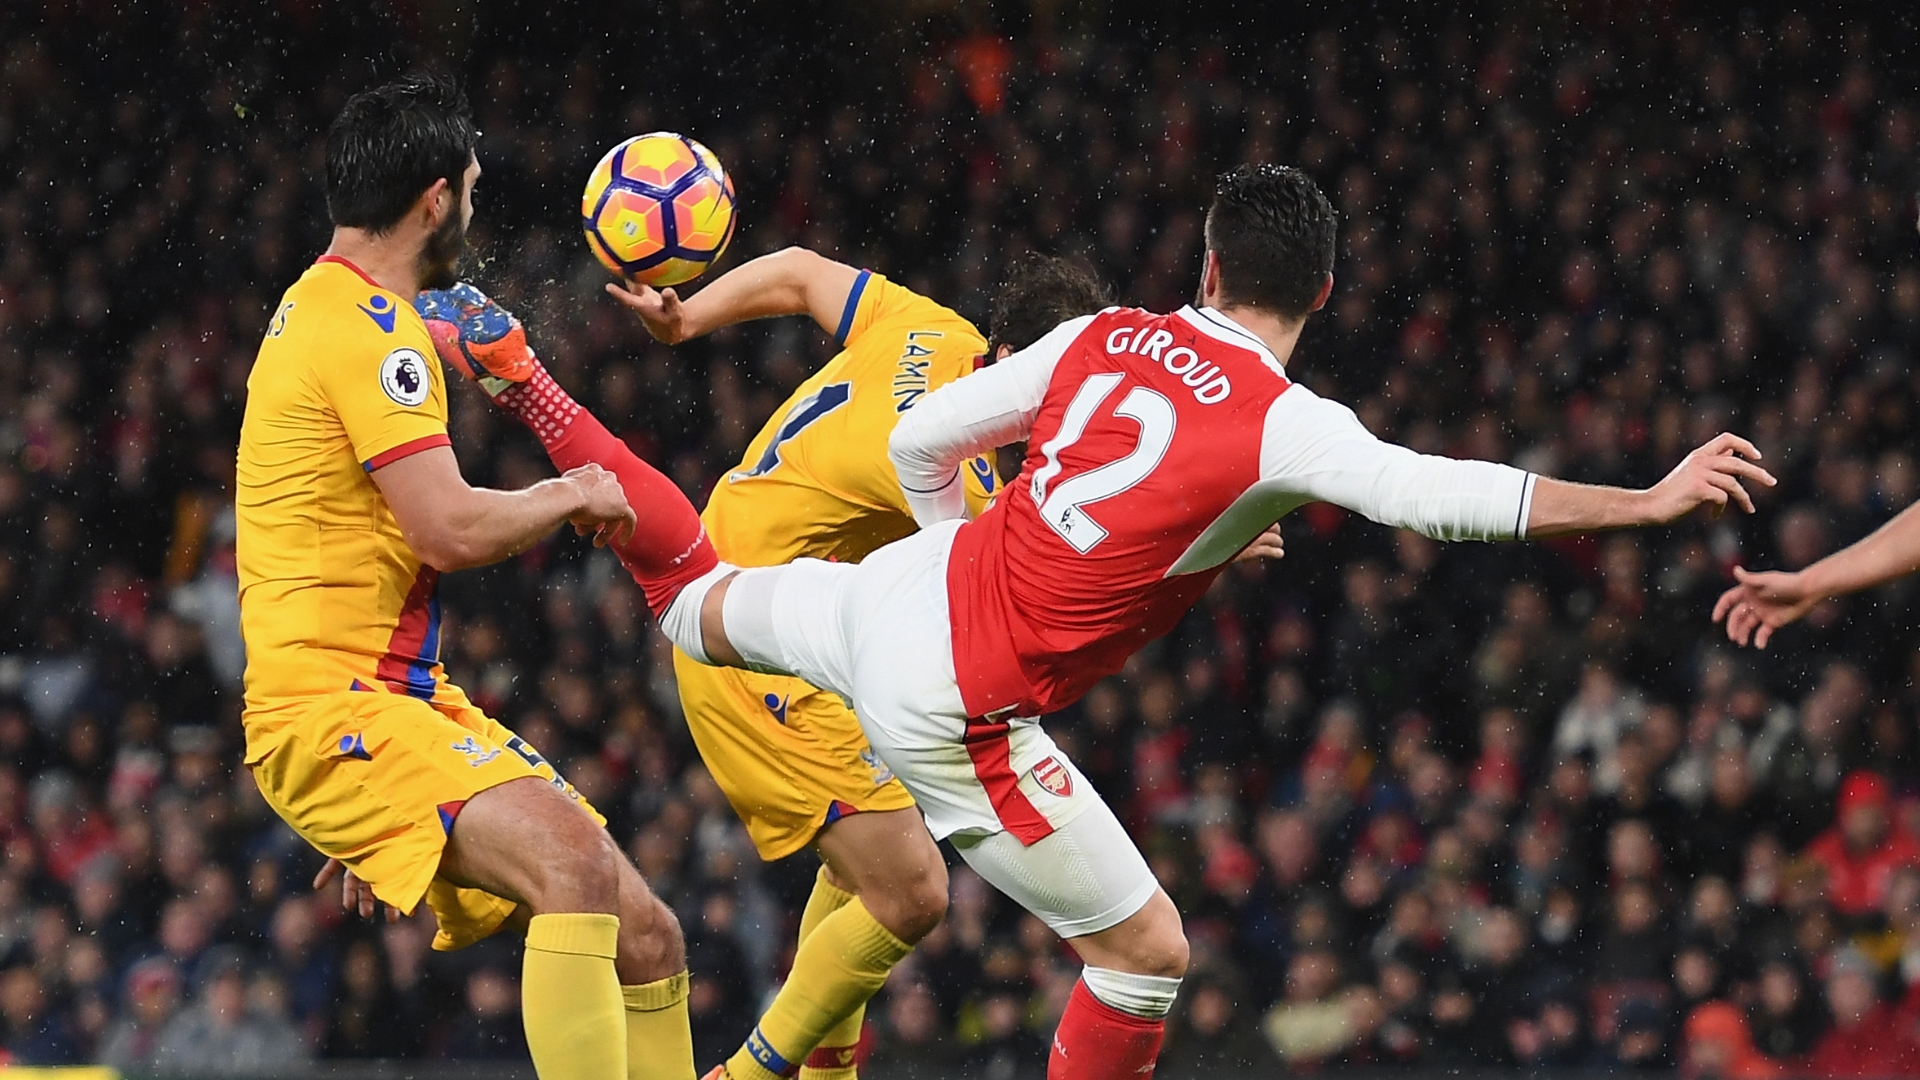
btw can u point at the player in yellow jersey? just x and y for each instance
(815, 482)
(350, 504)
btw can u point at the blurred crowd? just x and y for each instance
(1422, 805)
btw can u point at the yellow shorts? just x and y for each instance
(376, 780)
(790, 756)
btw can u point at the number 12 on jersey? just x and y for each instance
(1063, 505)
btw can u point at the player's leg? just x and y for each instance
(436, 803)
(1088, 881)
(888, 860)
(669, 547)
(651, 961)
(650, 954)
(793, 763)
(1017, 809)
(484, 342)
(527, 841)
(652, 965)
(883, 887)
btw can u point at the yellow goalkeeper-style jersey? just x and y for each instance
(816, 481)
(331, 596)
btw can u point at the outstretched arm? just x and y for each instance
(1710, 476)
(1317, 449)
(1764, 602)
(790, 282)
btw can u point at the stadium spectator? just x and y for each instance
(1787, 1016)
(1861, 851)
(152, 996)
(1719, 1046)
(230, 1027)
(1869, 1037)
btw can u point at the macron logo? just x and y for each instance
(381, 311)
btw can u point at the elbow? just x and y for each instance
(447, 552)
(799, 261)
(902, 446)
(797, 267)
(916, 464)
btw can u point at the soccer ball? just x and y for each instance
(658, 209)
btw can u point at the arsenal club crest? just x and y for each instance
(1051, 773)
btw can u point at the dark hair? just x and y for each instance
(1038, 293)
(391, 143)
(1273, 231)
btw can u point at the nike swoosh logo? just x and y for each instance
(381, 319)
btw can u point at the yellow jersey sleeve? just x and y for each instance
(874, 301)
(388, 394)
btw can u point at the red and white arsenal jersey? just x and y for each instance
(1158, 446)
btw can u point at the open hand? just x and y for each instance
(604, 511)
(1762, 603)
(659, 310)
(1710, 476)
(356, 896)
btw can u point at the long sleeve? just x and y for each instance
(987, 409)
(1318, 450)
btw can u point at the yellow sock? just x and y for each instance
(570, 998)
(659, 1042)
(836, 1046)
(825, 899)
(838, 967)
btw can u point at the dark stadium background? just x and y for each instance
(1579, 237)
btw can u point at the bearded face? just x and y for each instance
(446, 247)
(441, 257)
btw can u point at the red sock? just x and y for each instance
(1096, 1041)
(669, 548)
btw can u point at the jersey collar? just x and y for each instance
(1221, 328)
(349, 264)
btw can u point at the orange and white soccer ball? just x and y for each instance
(658, 209)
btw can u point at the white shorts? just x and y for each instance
(878, 633)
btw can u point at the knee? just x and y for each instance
(1164, 955)
(647, 919)
(1157, 944)
(651, 943)
(1166, 946)
(1168, 954)
(577, 871)
(911, 907)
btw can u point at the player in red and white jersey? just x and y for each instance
(1158, 447)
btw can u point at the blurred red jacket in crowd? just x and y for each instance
(1720, 1047)
(1863, 847)
(1879, 1045)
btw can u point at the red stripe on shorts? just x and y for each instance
(987, 745)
